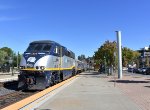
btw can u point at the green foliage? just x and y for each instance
(3, 56)
(129, 56)
(81, 57)
(7, 50)
(15, 58)
(106, 53)
(7, 53)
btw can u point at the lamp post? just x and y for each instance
(11, 62)
(89, 63)
(105, 63)
(143, 61)
(118, 33)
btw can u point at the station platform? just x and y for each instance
(88, 91)
(6, 77)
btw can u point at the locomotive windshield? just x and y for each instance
(35, 47)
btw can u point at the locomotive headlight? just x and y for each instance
(42, 67)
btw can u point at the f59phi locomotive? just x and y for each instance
(46, 63)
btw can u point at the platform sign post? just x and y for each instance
(115, 69)
(11, 62)
(119, 54)
(105, 63)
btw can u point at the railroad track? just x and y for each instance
(10, 95)
(8, 99)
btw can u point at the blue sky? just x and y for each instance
(80, 25)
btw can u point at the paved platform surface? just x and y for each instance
(90, 91)
(5, 77)
(136, 87)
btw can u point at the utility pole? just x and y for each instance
(119, 54)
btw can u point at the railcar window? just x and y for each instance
(38, 47)
(30, 48)
(46, 48)
(68, 54)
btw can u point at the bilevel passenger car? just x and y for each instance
(45, 63)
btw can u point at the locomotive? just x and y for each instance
(46, 63)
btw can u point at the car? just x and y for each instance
(147, 72)
(130, 69)
(144, 70)
(135, 70)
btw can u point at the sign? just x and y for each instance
(10, 60)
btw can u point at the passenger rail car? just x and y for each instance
(80, 66)
(45, 63)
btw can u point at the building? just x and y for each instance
(144, 59)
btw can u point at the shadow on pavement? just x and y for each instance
(11, 85)
(147, 79)
(129, 81)
(89, 73)
(147, 86)
(93, 74)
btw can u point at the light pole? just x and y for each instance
(118, 33)
(105, 63)
(11, 62)
(89, 63)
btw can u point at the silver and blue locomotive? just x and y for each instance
(45, 63)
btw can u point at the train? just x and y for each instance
(45, 63)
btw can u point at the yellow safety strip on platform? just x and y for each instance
(48, 69)
(28, 100)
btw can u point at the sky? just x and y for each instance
(80, 25)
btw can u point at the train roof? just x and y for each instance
(44, 42)
(49, 42)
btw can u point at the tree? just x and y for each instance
(7, 53)
(16, 59)
(3, 56)
(7, 50)
(81, 57)
(106, 53)
(129, 56)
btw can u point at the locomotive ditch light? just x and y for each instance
(42, 67)
(37, 67)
